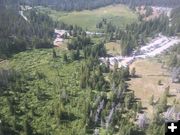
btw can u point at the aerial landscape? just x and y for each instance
(89, 67)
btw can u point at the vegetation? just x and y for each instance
(136, 34)
(70, 5)
(45, 95)
(149, 72)
(174, 64)
(133, 72)
(113, 48)
(118, 15)
(175, 15)
(49, 91)
(36, 34)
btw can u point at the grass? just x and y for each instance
(119, 15)
(113, 48)
(146, 85)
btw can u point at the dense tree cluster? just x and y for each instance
(94, 108)
(174, 60)
(174, 64)
(175, 15)
(92, 4)
(79, 42)
(69, 5)
(18, 35)
(135, 34)
(93, 95)
(93, 78)
(83, 43)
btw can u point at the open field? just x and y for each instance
(113, 48)
(119, 15)
(149, 72)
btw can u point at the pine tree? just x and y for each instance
(133, 72)
(54, 53)
(167, 91)
(1, 128)
(27, 127)
(151, 100)
(162, 103)
(159, 82)
(65, 58)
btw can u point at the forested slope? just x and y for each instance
(17, 34)
(92, 4)
(69, 5)
(52, 92)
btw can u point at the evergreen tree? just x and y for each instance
(27, 127)
(133, 72)
(151, 100)
(65, 58)
(54, 53)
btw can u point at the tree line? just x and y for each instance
(18, 35)
(135, 35)
(69, 5)
(175, 15)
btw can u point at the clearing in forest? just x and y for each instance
(113, 48)
(149, 72)
(119, 15)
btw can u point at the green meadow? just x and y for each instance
(119, 15)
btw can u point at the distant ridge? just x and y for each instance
(69, 5)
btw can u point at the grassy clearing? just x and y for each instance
(113, 48)
(146, 85)
(119, 15)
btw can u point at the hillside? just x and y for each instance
(39, 100)
(19, 33)
(16, 39)
(50, 95)
(109, 72)
(70, 5)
